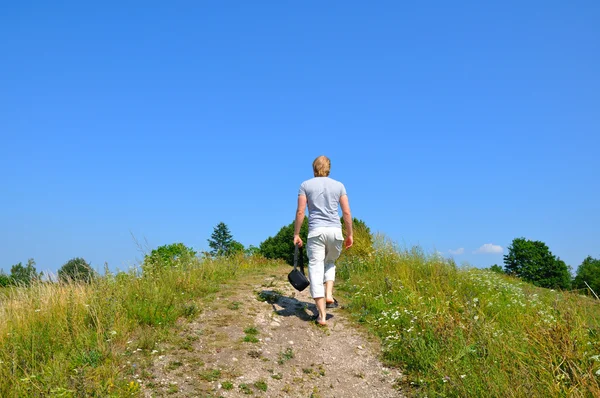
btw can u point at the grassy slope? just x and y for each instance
(455, 332)
(474, 333)
(75, 340)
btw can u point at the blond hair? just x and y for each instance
(322, 166)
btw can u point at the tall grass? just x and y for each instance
(74, 339)
(460, 332)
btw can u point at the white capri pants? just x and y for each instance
(323, 248)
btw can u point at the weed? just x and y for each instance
(276, 376)
(190, 310)
(235, 305)
(174, 365)
(286, 355)
(245, 389)
(251, 330)
(261, 385)
(250, 339)
(227, 385)
(211, 375)
(173, 389)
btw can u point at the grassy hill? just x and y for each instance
(471, 332)
(454, 331)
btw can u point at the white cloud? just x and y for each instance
(458, 251)
(489, 248)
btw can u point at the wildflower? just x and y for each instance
(463, 376)
(476, 317)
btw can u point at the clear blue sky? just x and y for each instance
(452, 124)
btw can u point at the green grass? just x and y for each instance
(460, 332)
(77, 339)
(250, 339)
(227, 385)
(261, 385)
(251, 331)
(211, 375)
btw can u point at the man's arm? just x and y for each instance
(347, 220)
(299, 219)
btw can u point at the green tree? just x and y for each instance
(76, 270)
(588, 271)
(533, 262)
(252, 251)
(221, 241)
(497, 268)
(282, 244)
(24, 275)
(4, 279)
(236, 247)
(169, 255)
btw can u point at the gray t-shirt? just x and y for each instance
(323, 196)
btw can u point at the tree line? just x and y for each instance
(76, 269)
(279, 246)
(532, 261)
(529, 260)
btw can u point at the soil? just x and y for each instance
(258, 337)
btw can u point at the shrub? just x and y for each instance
(169, 256)
(76, 270)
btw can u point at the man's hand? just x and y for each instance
(298, 240)
(349, 241)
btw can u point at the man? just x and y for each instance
(324, 196)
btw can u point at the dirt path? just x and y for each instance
(257, 337)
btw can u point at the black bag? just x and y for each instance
(296, 276)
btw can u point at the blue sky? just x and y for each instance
(457, 126)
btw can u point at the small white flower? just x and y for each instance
(476, 317)
(463, 376)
